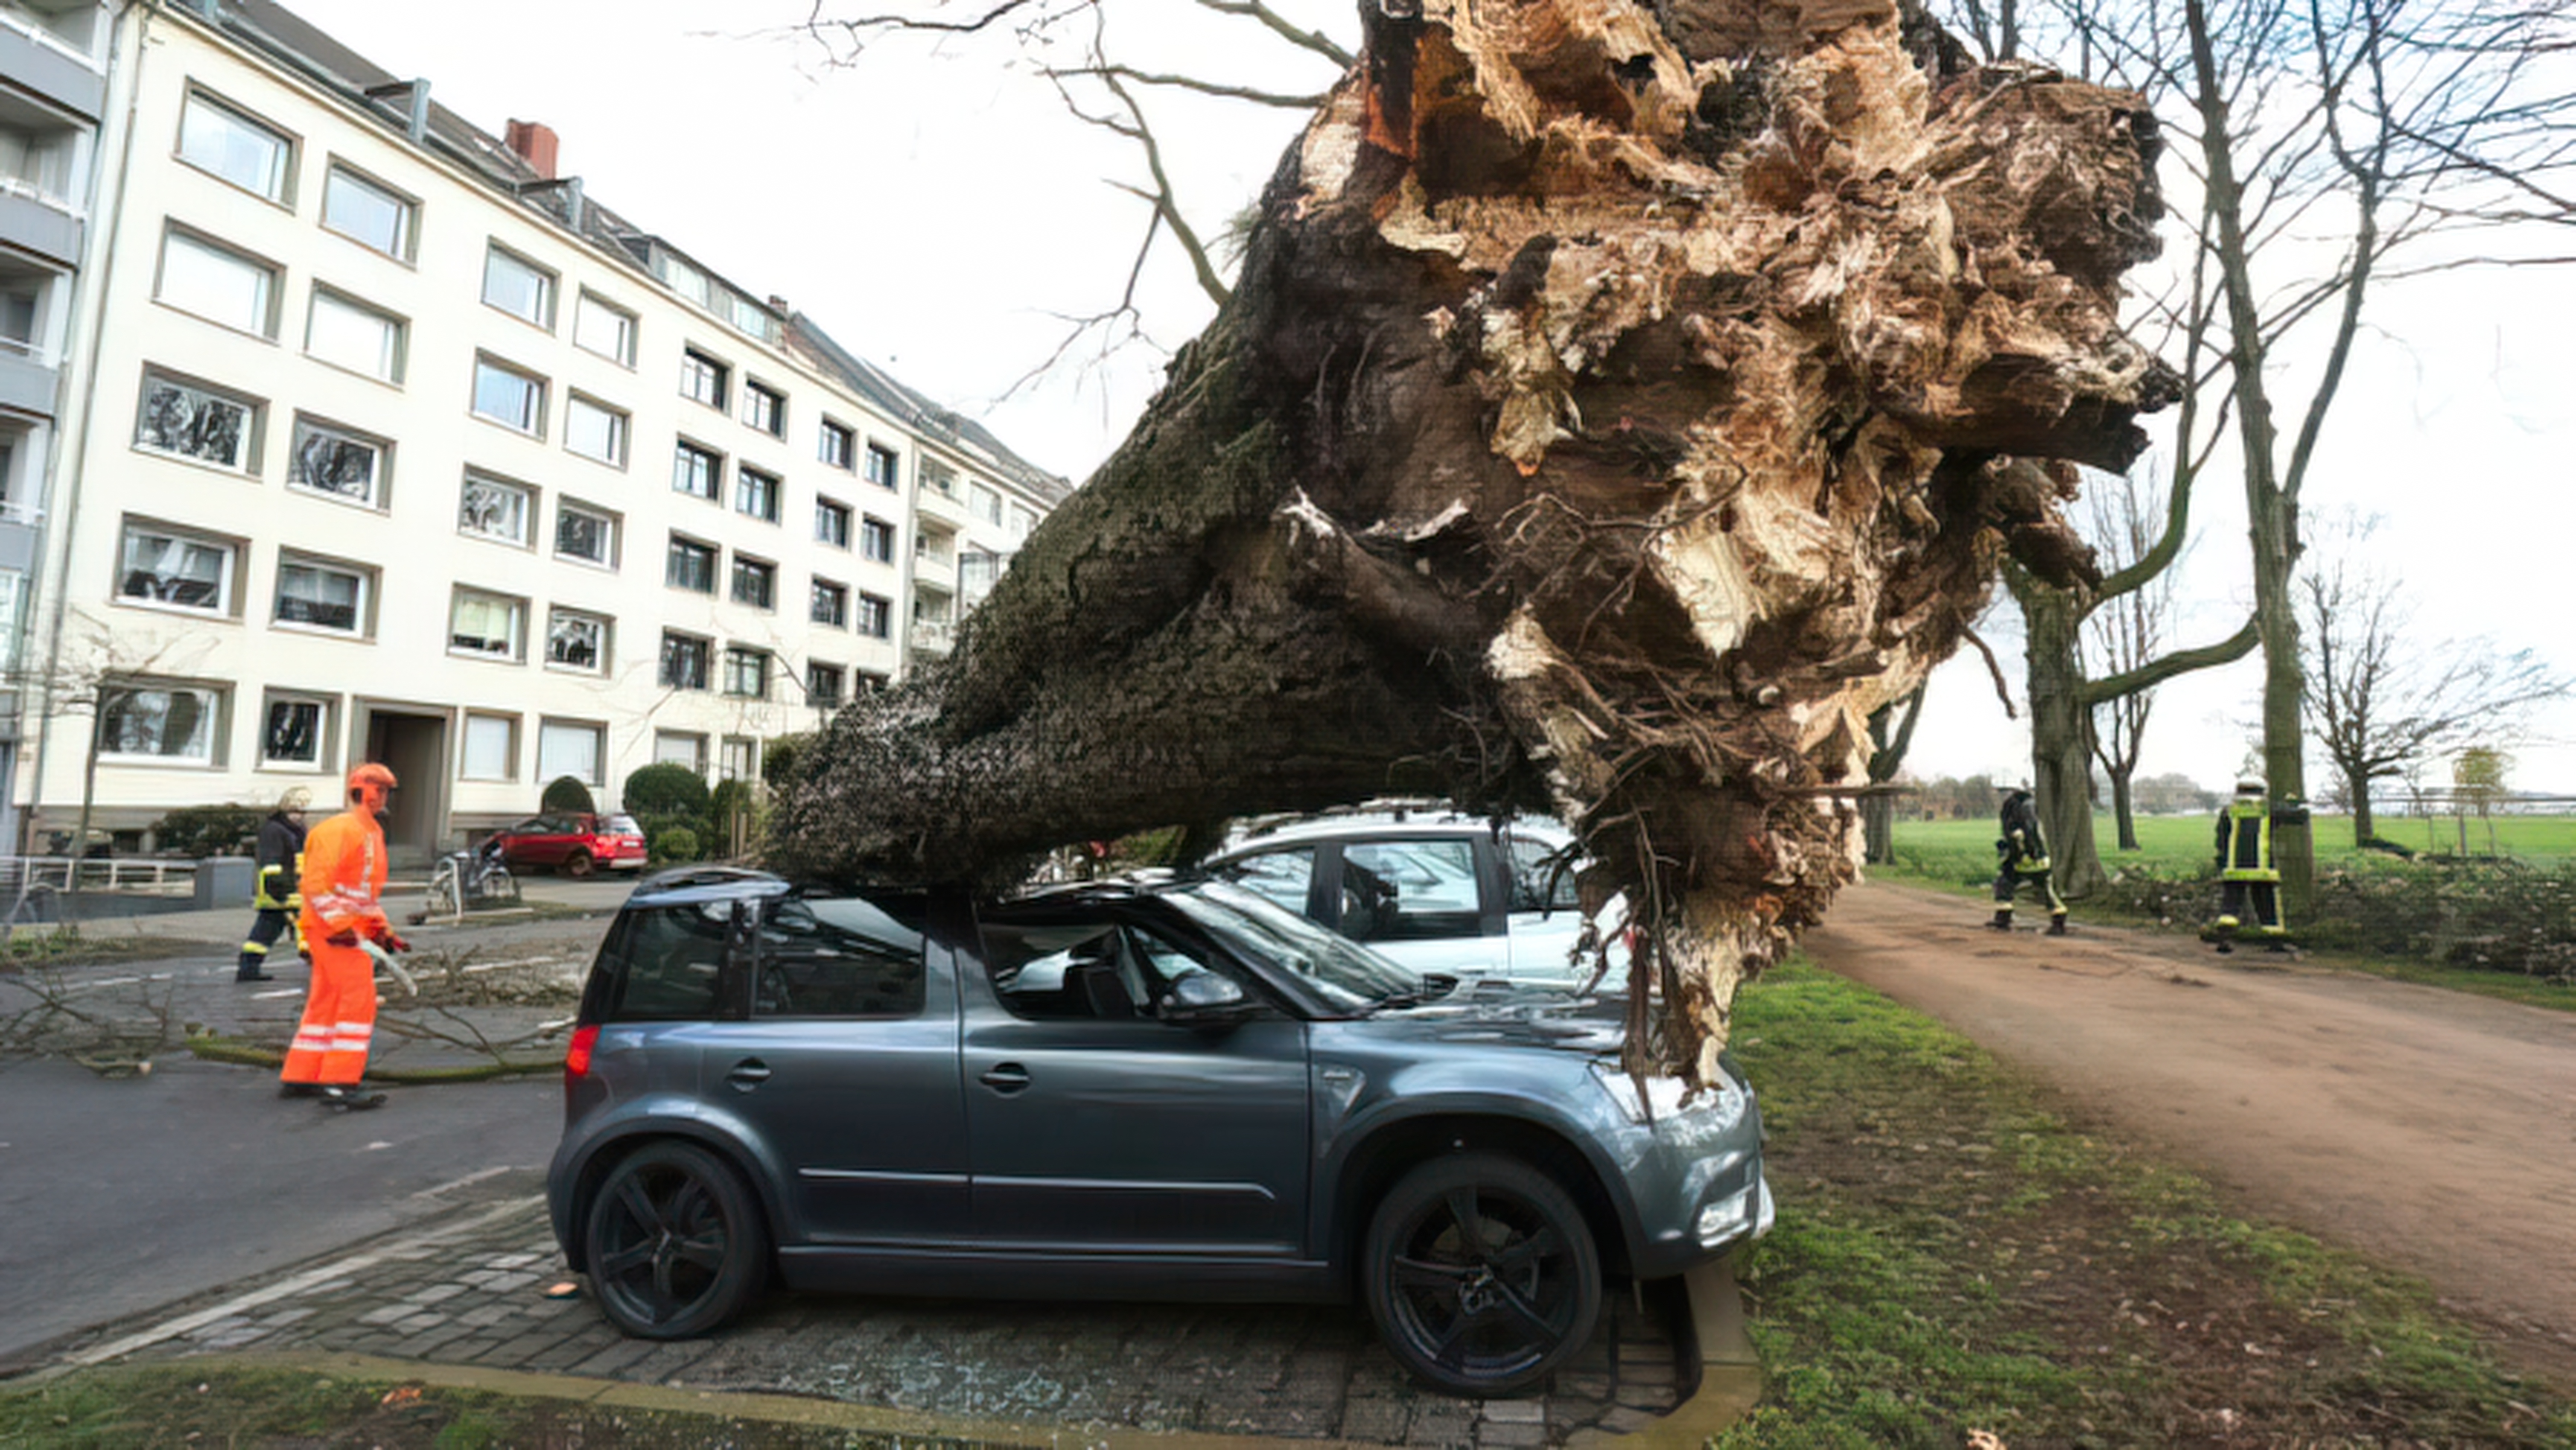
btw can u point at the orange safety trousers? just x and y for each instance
(330, 1046)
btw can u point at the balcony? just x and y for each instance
(933, 636)
(38, 224)
(27, 381)
(43, 63)
(949, 508)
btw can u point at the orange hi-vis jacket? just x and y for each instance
(344, 877)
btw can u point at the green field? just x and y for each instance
(2182, 843)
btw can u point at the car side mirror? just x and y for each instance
(1205, 999)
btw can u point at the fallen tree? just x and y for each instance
(1612, 413)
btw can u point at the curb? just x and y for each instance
(1714, 1355)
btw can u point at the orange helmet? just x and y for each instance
(368, 785)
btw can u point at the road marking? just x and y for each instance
(469, 1179)
(293, 1284)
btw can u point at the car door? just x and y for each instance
(1424, 902)
(1098, 1129)
(845, 1069)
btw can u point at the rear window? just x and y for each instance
(666, 963)
(620, 826)
(840, 957)
(1543, 876)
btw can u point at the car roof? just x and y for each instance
(1389, 822)
(689, 885)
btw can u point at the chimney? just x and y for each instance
(535, 143)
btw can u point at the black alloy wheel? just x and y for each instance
(674, 1242)
(577, 865)
(1481, 1274)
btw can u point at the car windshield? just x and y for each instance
(1338, 969)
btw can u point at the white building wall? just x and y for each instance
(399, 664)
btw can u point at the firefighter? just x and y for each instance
(276, 894)
(2249, 887)
(344, 882)
(2022, 859)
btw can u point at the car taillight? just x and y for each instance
(577, 1056)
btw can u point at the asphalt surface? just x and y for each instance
(189, 1211)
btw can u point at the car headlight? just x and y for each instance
(1664, 1097)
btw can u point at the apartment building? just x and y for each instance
(387, 442)
(53, 82)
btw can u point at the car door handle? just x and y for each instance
(1006, 1077)
(747, 1074)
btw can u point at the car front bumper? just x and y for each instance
(1694, 1175)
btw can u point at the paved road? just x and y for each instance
(2433, 1130)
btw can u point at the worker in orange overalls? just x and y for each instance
(344, 880)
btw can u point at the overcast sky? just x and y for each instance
(939, 214)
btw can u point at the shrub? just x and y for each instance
(666, 792)
(782, 760)
(567, 793)
(674, 844)
(202, 831)
(732, 799)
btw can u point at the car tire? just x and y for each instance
(1481, 1274)
(674, 1242)
(578, 865)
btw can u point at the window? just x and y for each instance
(586, 534)
(740, 759)
(182, 571)
(1023, 519)
(577, 640)
(488, 625)
(1543, 876)
(876, 541)
(294, 732)
(595, 430)
(491, 748)
(198, 423)
(755, 493)
(572, 748)
(354, 336)
(161, 723)
(831, 604)
(519, 287)
(218, 284)
(1282, 875)
(703, 378)
(495, 508)
(604, 328)
(1409, 890)
(876, 617)
(823, 685)
(13, 607)
(765, 409)
(676, 960)
(755, 582)
(986, 504)
(678, 747)
(318, 594)
(219, 140)
(977, 570)
(696, 472)
(333, 461)
(881, 466)
(839, 446)
(839, 957)
(832, 523)
(509, 397)
(691, 566)
(684, 667)
(746, 674)
(938, 477)
(367, 213)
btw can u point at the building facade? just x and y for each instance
(383, 441)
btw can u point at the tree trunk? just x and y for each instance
(1606, 421)
(2364, 827)
(2121, 810)
(2061, 731)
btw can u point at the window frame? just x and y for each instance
(583, 301)
(685, 449)
(748, 566)
(310, 428)
(621, 428)
(846, 457)
(696, 739)
(530, 505)
(228, 575)
(539, 386)
(289, 146)
(872, 527)
(517, 644)
(549, 284)
(840, 692)
(714, 561)
(696, 362)
(407, 207)
(248, 437)
(616, 532)
(598, 732)
(825, 507)
(735, 654)
(605, 627)
(878, 606)
(326, 731)
(759, 398)
(397, 339)
(216, 717)
(706, 669)
(465, 745)
(751, 483)
(892, 482)
(839, 615)
(363, 624)
(272, 275)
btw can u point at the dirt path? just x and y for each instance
(2433, 1130)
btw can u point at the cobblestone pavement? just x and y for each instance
(470, 1292)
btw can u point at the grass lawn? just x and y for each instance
(2183, 843)
(1953, 1257)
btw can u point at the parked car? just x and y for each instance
(573, 843)
(1435, 890)
(1135, 1089)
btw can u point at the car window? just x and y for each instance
(532, 826)
(1066, 970)
(837, 957)
(1409, 890)
(670, 962)
(619, 825)
(1281, 876)
(1543, 876)
(1344, 974)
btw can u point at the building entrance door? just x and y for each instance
(415, 746)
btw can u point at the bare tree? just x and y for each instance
(2123, 633)
(2384, 702)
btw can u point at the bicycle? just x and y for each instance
(465, 879)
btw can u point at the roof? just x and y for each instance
(906, 405)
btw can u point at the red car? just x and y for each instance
(573, 844)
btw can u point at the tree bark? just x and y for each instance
(2061, 731)
(1608, 419)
